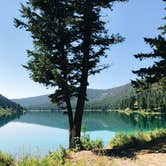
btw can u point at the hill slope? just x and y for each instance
(8, 110)
(6, 103)
(98, 99)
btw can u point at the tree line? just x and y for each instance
(152, 100)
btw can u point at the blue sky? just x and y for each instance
(133, 20)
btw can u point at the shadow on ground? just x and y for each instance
(131, 152)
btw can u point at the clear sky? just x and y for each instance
(133, 20)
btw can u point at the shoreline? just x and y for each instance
(143, 112)
(109, 110)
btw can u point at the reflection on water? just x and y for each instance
(4, 121)
(47, 130)
(120, 122)
(96, 121)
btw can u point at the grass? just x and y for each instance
(140, 139)
(6, 160)
(58, 158)
(63, 157)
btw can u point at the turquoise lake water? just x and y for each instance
(42, 132)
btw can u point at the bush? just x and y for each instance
(6, 160)
(140, 139)
(28, 161)
(87, 144)
(57, 158)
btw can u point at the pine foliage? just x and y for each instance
(156, 73)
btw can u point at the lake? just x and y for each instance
(41, 132)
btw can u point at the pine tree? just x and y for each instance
(69, 38)
(155, 74)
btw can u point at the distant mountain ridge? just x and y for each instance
(96, 98)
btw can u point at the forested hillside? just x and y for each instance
(147, 100)
(150, 100)
(6, 103)
(36, 103)
(8, 107)
(109, 98)
(97, 99)
(122, 97)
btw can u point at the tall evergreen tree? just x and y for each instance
(69, 39)
(156, 73)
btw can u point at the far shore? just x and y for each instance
(126, 111)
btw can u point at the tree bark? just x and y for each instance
(71, 123)
(80, 104)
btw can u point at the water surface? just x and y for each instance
(42, 132)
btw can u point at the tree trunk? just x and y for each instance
(84, 76)
(72, 135)
(80, 105)
(76, 129)
(76, 123)
(71, 123)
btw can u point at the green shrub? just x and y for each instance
(28, 161)
(87, 144)
(138, 139)
(97, 144)
(6, 160)
(57, 158)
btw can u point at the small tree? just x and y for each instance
(69, 39)
(157, 72)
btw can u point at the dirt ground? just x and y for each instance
(143, 159)
(148, 157)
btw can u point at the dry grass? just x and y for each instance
(138, 140)
(142, 158)
(88, 158)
